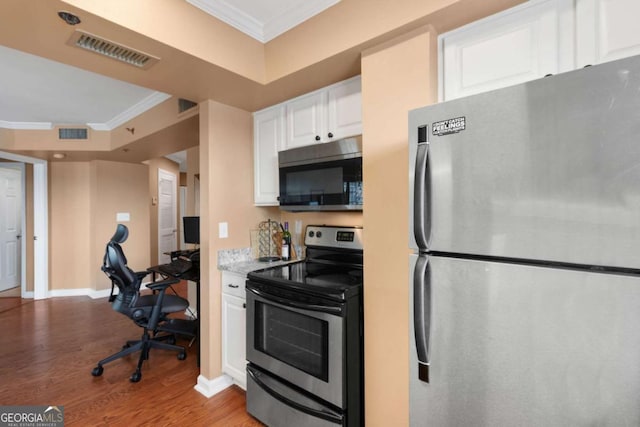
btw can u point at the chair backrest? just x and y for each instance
(114, 265)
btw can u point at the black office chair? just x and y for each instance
(147, 311)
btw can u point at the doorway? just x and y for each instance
(167, 215)
(40, 228)
(12, 220)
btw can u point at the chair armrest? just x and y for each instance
(141, 274)
(162, 284)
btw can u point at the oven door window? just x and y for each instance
(296, 339)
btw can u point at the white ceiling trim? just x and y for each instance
(26, 125)
(262, 31)
(294, 17)
(232, 16)
(128, 114)
(131, 112)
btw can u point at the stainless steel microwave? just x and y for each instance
(322, 177)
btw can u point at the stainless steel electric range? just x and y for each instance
(305, 335)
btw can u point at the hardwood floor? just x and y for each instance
(49, 347)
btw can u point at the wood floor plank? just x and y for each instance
(49, 347)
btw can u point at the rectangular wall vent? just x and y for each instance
(112, 50)
(185, 104)
(72, 133)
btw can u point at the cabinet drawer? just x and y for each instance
(233, 284)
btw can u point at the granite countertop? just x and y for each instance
(240, 261)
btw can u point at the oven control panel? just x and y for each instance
(334, 237)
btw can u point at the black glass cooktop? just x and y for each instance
(317, 278)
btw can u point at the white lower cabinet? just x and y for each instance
(234, 328)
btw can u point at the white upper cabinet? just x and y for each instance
(306, 119)
(606, 30)
(268, 128)
(534, 39)
(518, 45)
(328, 114)
(325, 115)
(344, 109)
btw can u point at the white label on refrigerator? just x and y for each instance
(446, 127)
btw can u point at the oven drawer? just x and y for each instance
(233, 284)
(276, 404)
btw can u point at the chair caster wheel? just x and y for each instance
(171, 340)
(182, 356)
(97, 371)
(135, 377)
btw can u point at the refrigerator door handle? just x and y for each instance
(422, 197)
(422, 314)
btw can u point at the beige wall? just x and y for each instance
(154, 166)
(226, 195)
(70, 261)
(316, 218)
(84, 199)
(385, 103)
(118, 187)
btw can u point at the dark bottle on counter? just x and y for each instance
(286, 243)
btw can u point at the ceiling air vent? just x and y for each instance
(185, 104)
(72, 133)
(113, 50)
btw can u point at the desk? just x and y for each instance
(192, 275)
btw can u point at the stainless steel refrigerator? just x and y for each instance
(525, 276)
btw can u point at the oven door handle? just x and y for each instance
(324, 414)
(296, 304)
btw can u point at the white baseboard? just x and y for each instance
(82, 292)
(210, 388)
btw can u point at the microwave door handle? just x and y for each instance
(422, 314)
(422, 197)
(335, 310)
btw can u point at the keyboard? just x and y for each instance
(177, 267)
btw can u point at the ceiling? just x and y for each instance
(38, 93)
(263, 20)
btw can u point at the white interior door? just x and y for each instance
(167, 215)
(10, 227)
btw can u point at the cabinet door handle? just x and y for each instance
(244, 305)
(317, 137)
(233, 286)
(330, 135)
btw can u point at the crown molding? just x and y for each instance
(232, 16)
(135, 110)
(128, 114)
(294, 17)
(26, 125)
(262, 31)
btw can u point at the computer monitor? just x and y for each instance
(191, 226)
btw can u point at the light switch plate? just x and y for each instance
(223, 230)
(123, 217)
